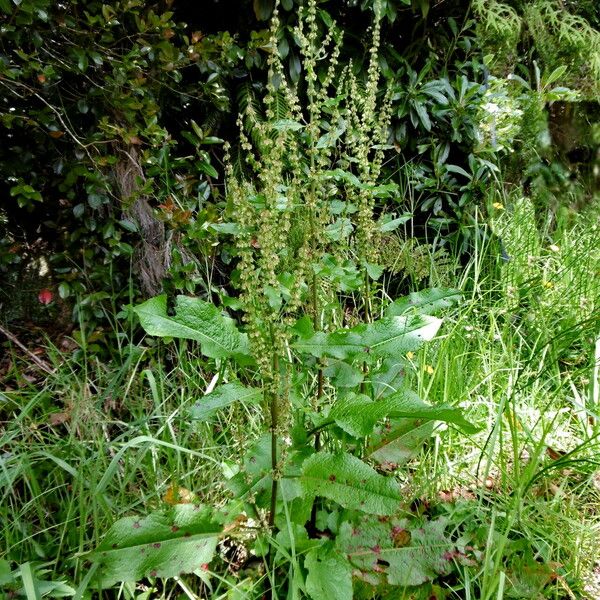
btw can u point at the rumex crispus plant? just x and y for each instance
(318, 348)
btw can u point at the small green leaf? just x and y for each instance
(423, 115)
(286, 125)
(194, 319)
(329, 575)
(208, 169)
(179, 540)
(256, 475)
(128, 225)
(339, 230)
(373, 271)
(351, 483)
(459, 171)
(64, 289)
(223, 396)
(211, 139)
(384, 225)
(6, 576)
(555, 75)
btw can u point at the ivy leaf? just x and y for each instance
(223, 396)
(428, 302)
(350, 482)
(194, 320)
(396, 551)
(181, 539)
(329, 575)
(390, 336)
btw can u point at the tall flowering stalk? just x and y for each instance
(282, 204)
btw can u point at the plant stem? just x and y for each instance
(274, 423)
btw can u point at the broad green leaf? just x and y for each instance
(555, 75)
(196, 320)
(459, 171)
(341, 175)
(390, 336)
(223, 396)
(179, 540)
(342, 374)
(427, 302)
(351, 483)
(388, 378)
(399, 441)
(357, 414)
(384, 225)
(6, 575)
(287, 125)
(329, 576)
(255, 475)
(263, 9)
(397, 551)
(406, 404)
(30, 586)
(423, 114)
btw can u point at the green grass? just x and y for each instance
(523, 493)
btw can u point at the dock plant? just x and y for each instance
(315, 495)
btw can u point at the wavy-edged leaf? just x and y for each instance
(194, 319)
(390, 336)
(397, 551)
(357, 414)
(329, 575)
(350, 482)
(428, 302)
(255, 477)
(223, 396)
(342, 374)
(399, 441)
(163, 544)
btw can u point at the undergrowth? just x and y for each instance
(92, 443)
